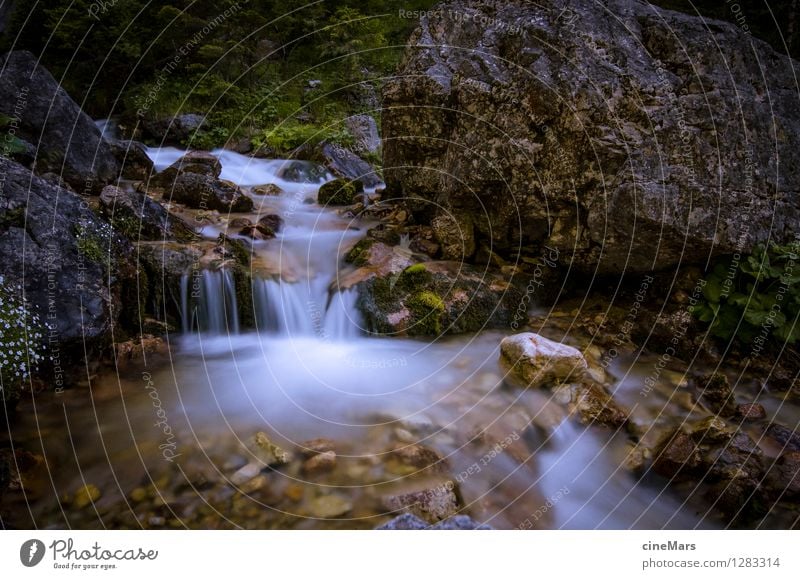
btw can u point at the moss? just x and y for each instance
(415, 277)
(427, 309)
(359, 254)
(339, 192)
(238, 249)
(91, 249)
(244, 296)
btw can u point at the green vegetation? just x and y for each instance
(754, 297)
(427, 309)
(21, 341)
(90, 245)
(280, 72)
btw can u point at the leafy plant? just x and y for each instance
(755, 296)
(21, 340)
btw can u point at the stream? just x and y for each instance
(162, 438)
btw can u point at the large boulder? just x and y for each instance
(132, 157)
(617, 132)
(194, 181)
(64, 256)
(67, 140)
(177, 130)
(345, 164)
(364, 131)
(140, 218)
(400, 297)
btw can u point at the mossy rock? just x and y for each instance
(359, 253)
(339, 192)
(427, 309)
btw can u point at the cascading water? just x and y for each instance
(306, 371)
(308, 248)
(208, 302)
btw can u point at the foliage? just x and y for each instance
(21, 340)
(755, 296)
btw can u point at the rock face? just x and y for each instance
(69, 143)
(54, 246)
(539, 361)
(364, 130)
(611, 131)
(140, 218)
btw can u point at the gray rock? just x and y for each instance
(69, 144)
(63, 254)
(409, 522)
(132, 158)
(613, 131)
(140, 218)
(364, 130)
(345, 164)
(177, 130)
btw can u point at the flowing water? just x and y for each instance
(308, 370)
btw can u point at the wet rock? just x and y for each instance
(409, 522)
(418, 456)
(132, 158)
(784, 475)
(204, 192)
(345, 164)
(294, 492)
(329, 506)
(257, 231)
(316, 446)
(432, 505)
(715, 391)
(320, 463)
(711, 429)
(85, 496)
(177, 130)
(138, 217)
(246, 473)
(239, 223)
(364, 130)
(539, 361)
(68, 142)
(502, 132)
(678, 457)
(398, 297)
(339, 192)
(270, 453)
(426, 247)
(269, 189)
(596, 406)
(787, 439)
(272, 222)
(138, 495)
(751, 412)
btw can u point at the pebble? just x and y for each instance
(85, 496)
(329, 506)
(751, 411)
(324, 462)
(245, 473)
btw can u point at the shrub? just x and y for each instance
(755, 296)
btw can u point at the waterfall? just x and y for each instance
(296, 309)
(208, 302)
(343, 320)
